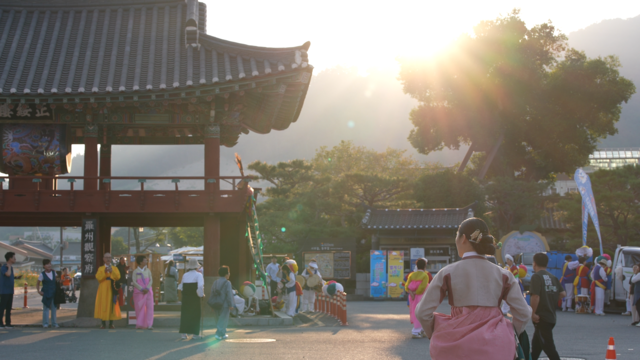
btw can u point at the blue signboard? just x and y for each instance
(378, 281)
(178, 257)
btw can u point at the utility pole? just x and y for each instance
(129, 242)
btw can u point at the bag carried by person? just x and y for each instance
(216, 300)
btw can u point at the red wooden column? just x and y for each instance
(105, 163)
(211, 253)
(90, 155)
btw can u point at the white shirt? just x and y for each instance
(635, 278)
(192, 276)
(272, 271)
(49, 275)
(470, 253)
(573, 265)
(603, 273)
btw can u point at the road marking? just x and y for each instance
(250, 340)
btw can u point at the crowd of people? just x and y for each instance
(481, 293)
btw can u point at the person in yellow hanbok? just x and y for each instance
(107, 307)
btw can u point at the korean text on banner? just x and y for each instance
(89, 241)
(396, 274)
(588, 205)
(378, 285)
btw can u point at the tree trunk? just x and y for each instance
(466, 159)
(491, 156)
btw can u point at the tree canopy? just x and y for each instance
(326, 197)
(545, 104)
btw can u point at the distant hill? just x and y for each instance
(617, 37)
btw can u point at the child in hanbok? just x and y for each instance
(416, 285)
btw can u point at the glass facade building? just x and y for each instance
(613, 158)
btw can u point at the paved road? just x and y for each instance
(377, 330)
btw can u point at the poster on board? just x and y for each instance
(378, 285)
(396, 274)
(416, 253)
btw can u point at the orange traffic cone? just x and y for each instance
(611, 350)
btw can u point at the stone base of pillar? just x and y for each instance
(87, 301)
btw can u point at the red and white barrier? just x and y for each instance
(335, 306)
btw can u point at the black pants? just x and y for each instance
(274, 288)
(543, 341)
(6, 302)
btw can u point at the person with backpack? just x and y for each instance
(221, 301)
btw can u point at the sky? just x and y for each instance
(372, 34)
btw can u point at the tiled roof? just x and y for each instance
(14, 249)
(550, 220)
(416, 218)
(50, 47)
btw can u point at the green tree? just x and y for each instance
(118, 246)
(617, 195)
(186, 236)
(519, 93)
(449, 189)
(514, 204)
(326, 197)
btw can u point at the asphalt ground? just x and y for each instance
(376, 330)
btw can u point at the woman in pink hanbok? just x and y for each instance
(143, 294)
(417, 283)
(476, 328)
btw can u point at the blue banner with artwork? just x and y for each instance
(378, 281)
(588, 205)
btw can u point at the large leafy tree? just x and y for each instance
(325, 197)
(449, 189)
(617, 194)
(516, 94)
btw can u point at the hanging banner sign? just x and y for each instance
(89, 240)
(416, 253)
(396, 274)
(588, 205)
(378, 284)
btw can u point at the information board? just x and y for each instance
(331, 264)
(396, 274)
(378, 285)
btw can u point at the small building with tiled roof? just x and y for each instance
(433, 230)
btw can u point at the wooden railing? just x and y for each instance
(40, 194)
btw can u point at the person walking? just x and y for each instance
(476, 328)
(171, 283)
(545, 290)
(192, 287)
(272, 275)
(107, 307)
(222, 298)
(48, 292)
(143, 293)
(416, 285)
(7, 284)
(568, 277)
(122, 282)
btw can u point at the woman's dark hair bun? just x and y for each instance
(485, 245)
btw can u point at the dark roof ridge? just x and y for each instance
(242, 47)
(432, 209)
(63, 4)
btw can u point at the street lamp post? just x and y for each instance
(61, 246)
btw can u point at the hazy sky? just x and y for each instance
(373, 33)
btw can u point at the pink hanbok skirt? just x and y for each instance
(473, 332)
(413, 286)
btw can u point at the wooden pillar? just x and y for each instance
(104, 239)
(91, 155)
(105, 163)
(211, 252)
(212, 154)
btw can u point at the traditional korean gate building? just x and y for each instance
(113, 72)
